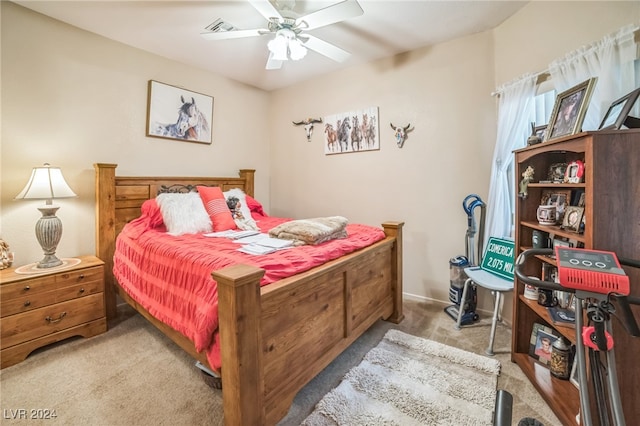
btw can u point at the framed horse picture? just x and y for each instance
(180, 114)
(352, 131)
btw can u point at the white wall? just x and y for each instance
(443, 91)
(72, 98)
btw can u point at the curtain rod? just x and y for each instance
(541, 77)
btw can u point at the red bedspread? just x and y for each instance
(170, 276)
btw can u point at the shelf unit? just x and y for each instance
(611, 185)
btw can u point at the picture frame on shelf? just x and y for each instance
(572, 218)
(560, 198)
(556, 172)
(541, 343)
(574, 172)
(618, 111)
(569, 110)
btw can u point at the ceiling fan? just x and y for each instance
(291, 38)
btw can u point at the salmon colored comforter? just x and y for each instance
(170, 276)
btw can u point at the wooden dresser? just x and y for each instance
(39, 309)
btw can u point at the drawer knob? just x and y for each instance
(53, 321)
(81, 276)
(27, 288)
(27, 303)
(81, 291)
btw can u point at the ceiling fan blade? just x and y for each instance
(266, 9)
(330, 15)
(225, 35)
(273, 64)
(327, 49)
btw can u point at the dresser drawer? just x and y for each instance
(79, 290)
(27, 287)
(65, 279)
(39, 322)
(26, 303)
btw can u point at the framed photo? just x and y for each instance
(352, 131)
(180, 114)
(556, 172)
(572, 218)
(560, 198)
(542, 338)
(569, 110)
(574, 172)
(619, 110)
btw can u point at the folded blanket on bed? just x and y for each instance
(311, 231)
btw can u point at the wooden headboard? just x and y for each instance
(118, 201)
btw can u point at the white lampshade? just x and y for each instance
(46, 183)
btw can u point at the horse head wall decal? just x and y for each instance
(308, 126)
(400, 134)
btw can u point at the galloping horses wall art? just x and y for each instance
(352, 131)
(176, 113)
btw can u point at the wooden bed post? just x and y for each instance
(241, 344)
(106, 229)
(394, 229)
(248, 175)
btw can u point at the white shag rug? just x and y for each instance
(408, 380)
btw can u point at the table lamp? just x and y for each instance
(47, 183)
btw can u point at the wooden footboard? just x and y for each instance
(276, 338)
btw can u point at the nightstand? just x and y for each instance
(40, 309)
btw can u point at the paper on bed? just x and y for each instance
(264, 240)
(234, 235)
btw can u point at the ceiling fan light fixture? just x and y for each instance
(296, 50)
(278, 46)
(286, 45)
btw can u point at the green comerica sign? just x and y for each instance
(499, 258)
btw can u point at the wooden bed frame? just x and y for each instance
(274, 339)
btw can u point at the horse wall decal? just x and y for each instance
(308, 126)
(190, 125)
(343, 134)
(332, 136)
(356, 134)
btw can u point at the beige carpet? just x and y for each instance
(133, 375)
(411, 381)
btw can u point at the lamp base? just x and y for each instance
(48, 233)
(49, 261)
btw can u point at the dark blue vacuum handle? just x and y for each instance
(470, 202)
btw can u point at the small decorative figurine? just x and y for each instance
(401, 134)
(6, 257)
(308, 126)
(527, 176)
(534, 138)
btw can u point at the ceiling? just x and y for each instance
(172, 29)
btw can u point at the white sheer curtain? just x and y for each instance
(514, 111)
(611, 60)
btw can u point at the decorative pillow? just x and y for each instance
(237, 203)
(183, 213)
(216, 207)
(151, 210)
(254, 205)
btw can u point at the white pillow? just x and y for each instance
(241, 214)
(184, 213)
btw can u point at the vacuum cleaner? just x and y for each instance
(457, 276)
